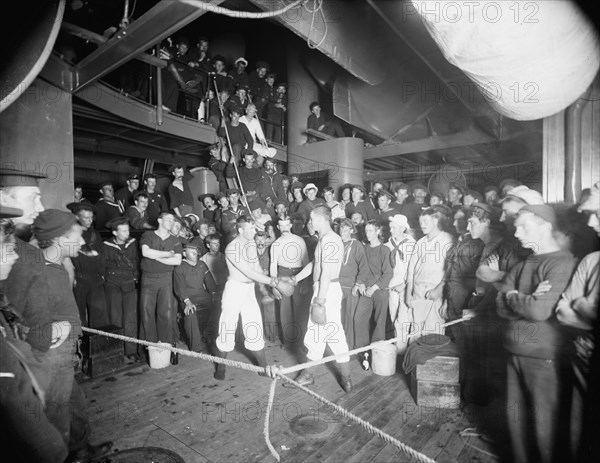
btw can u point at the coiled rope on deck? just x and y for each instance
(277, 372)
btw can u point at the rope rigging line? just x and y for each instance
(184, 352)
(318, 8)
(278, 372)
(241, 14)
(365, 424)
(231, 153)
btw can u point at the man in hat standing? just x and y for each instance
(374, 299)
(201, 227)
(122, 260)
(218, 165)
(240, 100)
(401, 245)
(239, 75)
(239, 135)
(386, 211)
(89, 270)
(426, 272)
(25, 436)
(252, 176)
(156, 200)
(59, 236)
(256, 82)
(137, 213)
(208, 200)
(78, 194)
(358, 204)
(337, 211)
(180, 196)
(402, 194)
(25, 287)
(455, 195)
(276, 109)
(477, 338)
(274, 181)
(107, 208)
(578, 309)
(311, 201)
(536, 366)
(224, 81)
(124, 196)
(201, 58)
(195, 289)
(509, 251)
(161, 253)
(230, 215)
(412, 209)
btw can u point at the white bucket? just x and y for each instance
(159, 358)
(384, 359)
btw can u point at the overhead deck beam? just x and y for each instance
(355, 52)
(98, 39)
(115, 147)
(457, 140)
(162, 20)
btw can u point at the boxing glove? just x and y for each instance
(318, 312)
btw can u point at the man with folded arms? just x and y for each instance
(161, 253)
(534, 339)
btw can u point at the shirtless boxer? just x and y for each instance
(325, 322)
(239, 296)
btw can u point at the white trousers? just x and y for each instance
(332, 332)
(402, 318)
(240, 299)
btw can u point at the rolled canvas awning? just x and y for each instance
(530, 59)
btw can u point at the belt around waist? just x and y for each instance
(288, 272)
(241, 282)
(333, 280)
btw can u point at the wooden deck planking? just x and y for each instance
(376, 410)
(182, 408)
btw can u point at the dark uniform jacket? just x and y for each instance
(27, 291)
(194, 282)
(366, 209)
(89, 264)
(122, 262)
(124, 197)
(157, 203)
(107, 210)
(228, 219)
(253, 179)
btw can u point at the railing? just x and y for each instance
(145, 85)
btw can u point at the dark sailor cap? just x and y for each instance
(114, 223)
(75, 207)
